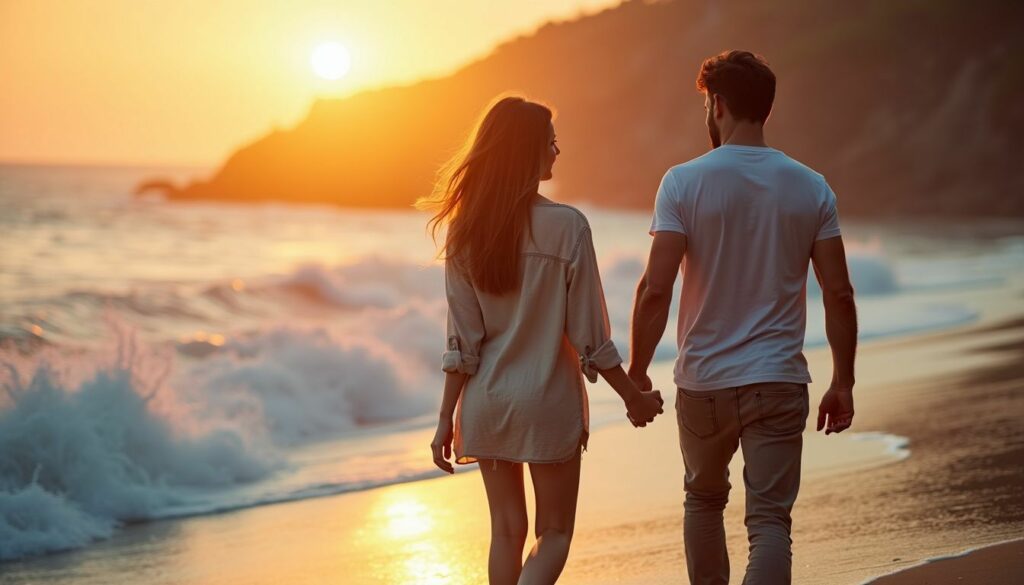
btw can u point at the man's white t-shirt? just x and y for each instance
(751, 216)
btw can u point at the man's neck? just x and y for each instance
(746, 134)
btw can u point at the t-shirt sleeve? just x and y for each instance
(668, 208)
(828, 224)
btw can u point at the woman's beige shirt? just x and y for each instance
(524, 351)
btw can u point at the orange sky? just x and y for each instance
(187, 81)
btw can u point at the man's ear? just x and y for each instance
(719, 104)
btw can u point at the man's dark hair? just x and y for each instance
(743, 79)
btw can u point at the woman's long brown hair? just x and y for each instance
(485, 192)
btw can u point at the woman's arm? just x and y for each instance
(441, 446)
(589, 331)
(460, 360)
(453, 384)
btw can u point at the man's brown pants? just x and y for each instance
(767, 421)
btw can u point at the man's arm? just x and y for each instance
(653, 299)
(828, 257)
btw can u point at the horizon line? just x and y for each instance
(107, 164)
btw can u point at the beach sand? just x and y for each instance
(1000, 563)
(865, 509)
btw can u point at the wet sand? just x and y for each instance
(999, 563)
(957, 396)
(962, 485)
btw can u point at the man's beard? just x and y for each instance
(716, 137)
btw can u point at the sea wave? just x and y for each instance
(78, 458)
(293, 386)
(319, 354)
(76, 462)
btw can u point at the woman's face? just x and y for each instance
(550, 154)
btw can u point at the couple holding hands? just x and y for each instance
(527, 322)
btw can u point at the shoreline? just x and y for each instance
(999, 560)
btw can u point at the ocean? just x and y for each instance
(174, 359)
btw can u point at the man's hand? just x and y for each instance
(835, 414)
(644, 384)
(642, 381)
(644, 407)
(828, 256)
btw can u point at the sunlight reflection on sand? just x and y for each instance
(421, 539)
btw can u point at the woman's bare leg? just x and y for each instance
(507, 501)
(556, 487)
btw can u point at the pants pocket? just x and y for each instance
(696, 413)
(783, 407)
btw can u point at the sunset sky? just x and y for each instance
(187, 81)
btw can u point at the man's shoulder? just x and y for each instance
(718, 158)
(693, 166)
(798, 169)
(678, 176)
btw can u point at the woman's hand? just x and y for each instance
(441, 446)
(642, 407)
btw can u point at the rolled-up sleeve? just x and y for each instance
(465, 323)
(586, 322)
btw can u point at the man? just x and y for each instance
(741, 223)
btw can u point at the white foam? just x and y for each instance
(294, 386)
(370, 282)
(870, 272)
(896, 446)
(35, 521)
(77, 462)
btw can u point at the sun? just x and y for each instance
(330, 60)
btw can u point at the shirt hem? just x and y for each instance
(470, 459)
(666, 228)
(581, 446)
(741, 381)
(828, 235)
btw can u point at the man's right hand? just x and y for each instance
(835, 414)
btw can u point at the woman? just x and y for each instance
(525, 313)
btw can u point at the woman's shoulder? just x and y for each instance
(563, 215)
(557, 229)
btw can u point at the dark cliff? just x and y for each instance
(907, 107)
